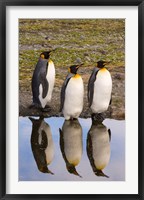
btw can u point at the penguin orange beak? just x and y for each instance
(105, 63)
(79, 65)
(52, 50)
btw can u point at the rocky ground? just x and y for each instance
(86, 41)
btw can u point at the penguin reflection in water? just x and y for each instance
(43, 81)
(42, 144)
(72, 94)
(71, 144)
(99, 90)
(98, 147)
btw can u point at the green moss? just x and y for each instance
(89, 40)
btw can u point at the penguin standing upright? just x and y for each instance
(72, 94)
(43, 81)
(98, 147)
(71, 144)
(99, 88)
(42, 144)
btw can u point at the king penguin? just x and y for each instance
(99, 88)
(43, 81)
(98, 147)
(71, 144)
(42, 144)
(72, 94)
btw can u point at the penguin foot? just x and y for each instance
(34, 106)
(73, 119)
(98, 117)
(46, 109)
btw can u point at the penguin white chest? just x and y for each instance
(74, 94)
(73, 145)
(102, 91)
(101, 148)
(49, 150)
(51, 80)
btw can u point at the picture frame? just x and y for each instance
(3, 99)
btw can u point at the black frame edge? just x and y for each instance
(141, 98)
(72, 2)
(2, 100)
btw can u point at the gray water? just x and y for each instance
(74, 153)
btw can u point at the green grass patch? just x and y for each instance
(87, 39)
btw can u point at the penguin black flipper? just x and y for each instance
(109, 132)
(39, 77)
(62, 144)
(35, 90)
(91, 85)
(110, 100)
(44, 83)
(89, 149)
(63, 91)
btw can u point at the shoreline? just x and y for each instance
(25, 100)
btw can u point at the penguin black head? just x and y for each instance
(45, 54)
(73, 69)
(44, 169)
(71, 169)
(101, 63)
(100, 173)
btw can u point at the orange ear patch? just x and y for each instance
(42, 56)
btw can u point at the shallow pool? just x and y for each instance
(52, 149)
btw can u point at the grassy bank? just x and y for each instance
(85, 40)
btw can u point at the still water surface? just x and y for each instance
(52, 149)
